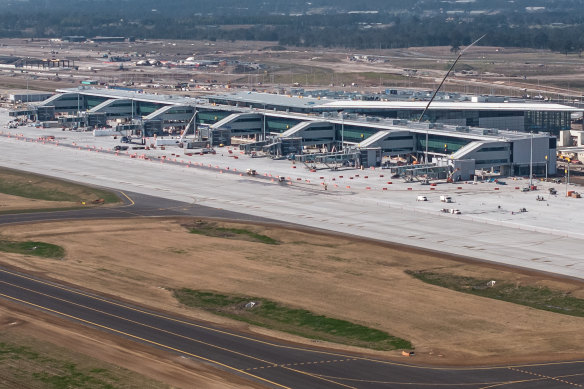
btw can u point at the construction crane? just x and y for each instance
(184, 133)
(446, 76)
(440, 86)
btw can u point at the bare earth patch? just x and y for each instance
(17, 203)
(355, 280)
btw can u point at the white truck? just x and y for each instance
(445, 199)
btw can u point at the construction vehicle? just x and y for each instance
(449, 178)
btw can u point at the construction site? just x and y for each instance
(323, 134)
(357, 192)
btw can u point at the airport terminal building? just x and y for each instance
(376, 130)
(514, 116)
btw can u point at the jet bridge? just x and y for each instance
(332, 161)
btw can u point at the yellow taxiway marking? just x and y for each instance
(288, 347)
(132, 203)
(319, 377)
(139, 323)
(145, 340)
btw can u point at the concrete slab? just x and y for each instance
(548, 237)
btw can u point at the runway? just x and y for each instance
(275, 364)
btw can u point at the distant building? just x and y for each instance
(74, 38)
(108, 39)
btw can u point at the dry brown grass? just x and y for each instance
(350, 279)
(16, 203)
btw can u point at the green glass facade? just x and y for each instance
(211, 117)
(547, 121)
(93, 101)
(441, 144)
(354, 134)
(280, 125)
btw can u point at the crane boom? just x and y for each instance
(184, 133)
(446, 76)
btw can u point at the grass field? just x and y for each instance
(38, 249)
(531, 296)
(33, 186)
(212, 229)
(26, 362)
(270, 314)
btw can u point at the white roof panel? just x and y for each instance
(388, 105)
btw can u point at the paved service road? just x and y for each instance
(135, 205)
(269, 362)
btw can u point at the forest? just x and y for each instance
(557, 25)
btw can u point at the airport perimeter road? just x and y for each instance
(135, 205)
(266, 361)
(548, 238)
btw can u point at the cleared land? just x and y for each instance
(350, 279)
(482, 70)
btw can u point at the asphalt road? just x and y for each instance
(135, 205)
(276, 364)
(273, 363)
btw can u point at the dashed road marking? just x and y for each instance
(546, 377)
(302, 363)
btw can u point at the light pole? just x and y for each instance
(567, 171)
(264, 123)
(342, 128)
(426, 156)
(546, 167)
(342, 131)
(531, 162)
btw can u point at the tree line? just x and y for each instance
(560, 30)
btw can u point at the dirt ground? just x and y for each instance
(14, 203)
(507, 71)
(17, 323)
(356, 280)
